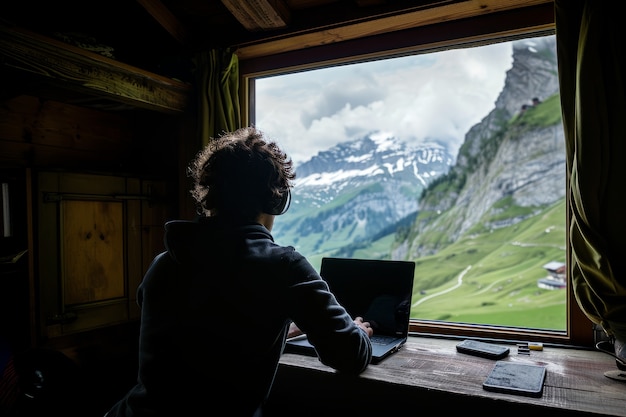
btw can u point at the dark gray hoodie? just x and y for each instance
(214, 283)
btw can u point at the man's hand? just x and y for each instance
(365, 325)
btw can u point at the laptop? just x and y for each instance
(378, 290)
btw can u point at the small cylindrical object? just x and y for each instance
(535, 345)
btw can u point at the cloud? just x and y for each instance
(339, 95)
(436, 96)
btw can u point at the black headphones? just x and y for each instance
(280, 205)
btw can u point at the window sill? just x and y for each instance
(428, 371)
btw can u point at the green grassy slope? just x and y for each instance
(500, 286)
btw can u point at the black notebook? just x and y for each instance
(380, 291)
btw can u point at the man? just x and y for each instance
(224, 272)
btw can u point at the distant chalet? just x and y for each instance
(556, 278)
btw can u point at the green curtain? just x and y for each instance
(217, 79)
(591, 56)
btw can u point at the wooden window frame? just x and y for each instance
(479, 30)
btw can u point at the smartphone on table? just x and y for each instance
(482, 349)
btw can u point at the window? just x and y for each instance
(453, 158)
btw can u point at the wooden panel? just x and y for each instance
(92, 234)
(45, 122)
(47, 280)
(135, 248)
(49, 134)
(82, 282)
(93, 317)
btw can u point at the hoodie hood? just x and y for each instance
(206, 238)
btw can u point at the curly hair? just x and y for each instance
(240, 175)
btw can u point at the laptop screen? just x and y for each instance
(380, 291)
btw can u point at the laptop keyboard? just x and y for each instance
(380, 340)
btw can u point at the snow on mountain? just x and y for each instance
(359, 189)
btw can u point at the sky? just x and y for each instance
(419, 98)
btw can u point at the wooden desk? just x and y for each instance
(428, 374)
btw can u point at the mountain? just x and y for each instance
(379, 196)
(511, 165)
(357, 190)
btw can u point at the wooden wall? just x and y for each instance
(47, 134)
(43, 135)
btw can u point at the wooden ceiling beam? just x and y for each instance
(167, 20)
(79, 70)
(259, 15)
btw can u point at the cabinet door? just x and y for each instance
(92, 251)
(91, 237)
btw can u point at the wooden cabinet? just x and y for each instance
(97, 234)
